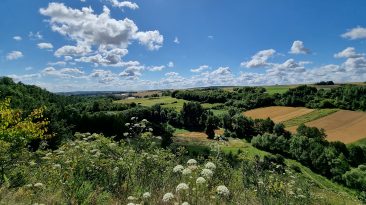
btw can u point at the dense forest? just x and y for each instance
(39, 126)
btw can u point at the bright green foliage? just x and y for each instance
(16, 132)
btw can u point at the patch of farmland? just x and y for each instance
(277, 113)
(345, 126)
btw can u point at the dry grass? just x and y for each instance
(277, 113)
(345, 126)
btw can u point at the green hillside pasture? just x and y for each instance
(326, 191)
(314, 115)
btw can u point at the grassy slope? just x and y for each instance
(314, 115)
(361, 142)
(326, 190)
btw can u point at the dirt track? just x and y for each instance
(277, 113)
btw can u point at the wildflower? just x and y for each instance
(144, 120)
(223, 190)
(133, 118)
(32, 163)
(125, 134)
(192, 162)
(207, 173)
(131, 198)
(28, 185)
(127, 124)
(200, 180)
(136, 125)
(178, 168)
(182, 186)
(38, 184)
(159, 137)
(131, 204)
(185, 203)
(210, 165)
(146, 195)
(56, 166)
(301, 196)
(151, 129)
(192, 167)
(167, 197)
(186, 171)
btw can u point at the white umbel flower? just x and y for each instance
(146, 195)
(132, 198)
(210, 165)
(223, 190)
(178, 168)
(185, 203)
(187, 171)
(167, 197)
(192, 162)
(207, 173)
(38, 184)
(181, 187)
(200, 180)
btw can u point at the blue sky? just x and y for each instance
(156, 44)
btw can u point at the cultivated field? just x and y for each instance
(167, 102)
(345, 126)
(277, 113)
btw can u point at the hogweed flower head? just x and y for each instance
(223, 190)
(200, 180)
(167, 197)
(208, 173)
(146, 195)
(182, 186)
(210, 165)
(187, 171)
(178, 168)
(192, 162)
(38, 184)
(185, 203)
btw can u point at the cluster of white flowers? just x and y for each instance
(38, 184)
(223, 190)
(208, 173)
(187, 171)
(146, 195)
(178, 168)
(200, 180)
(131, 198)
(185, 203)
(182, 186)
(167, 197)
(210, 165)
(192, 162)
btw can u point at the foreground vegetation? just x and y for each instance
(134, 159)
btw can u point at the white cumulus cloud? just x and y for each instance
(355, 33)
(45, 45)
(124, 4)
(14, 55)
(349, 52)
(259, 59)
(299, 48)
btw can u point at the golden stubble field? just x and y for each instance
(277, 113)
(343, 125)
